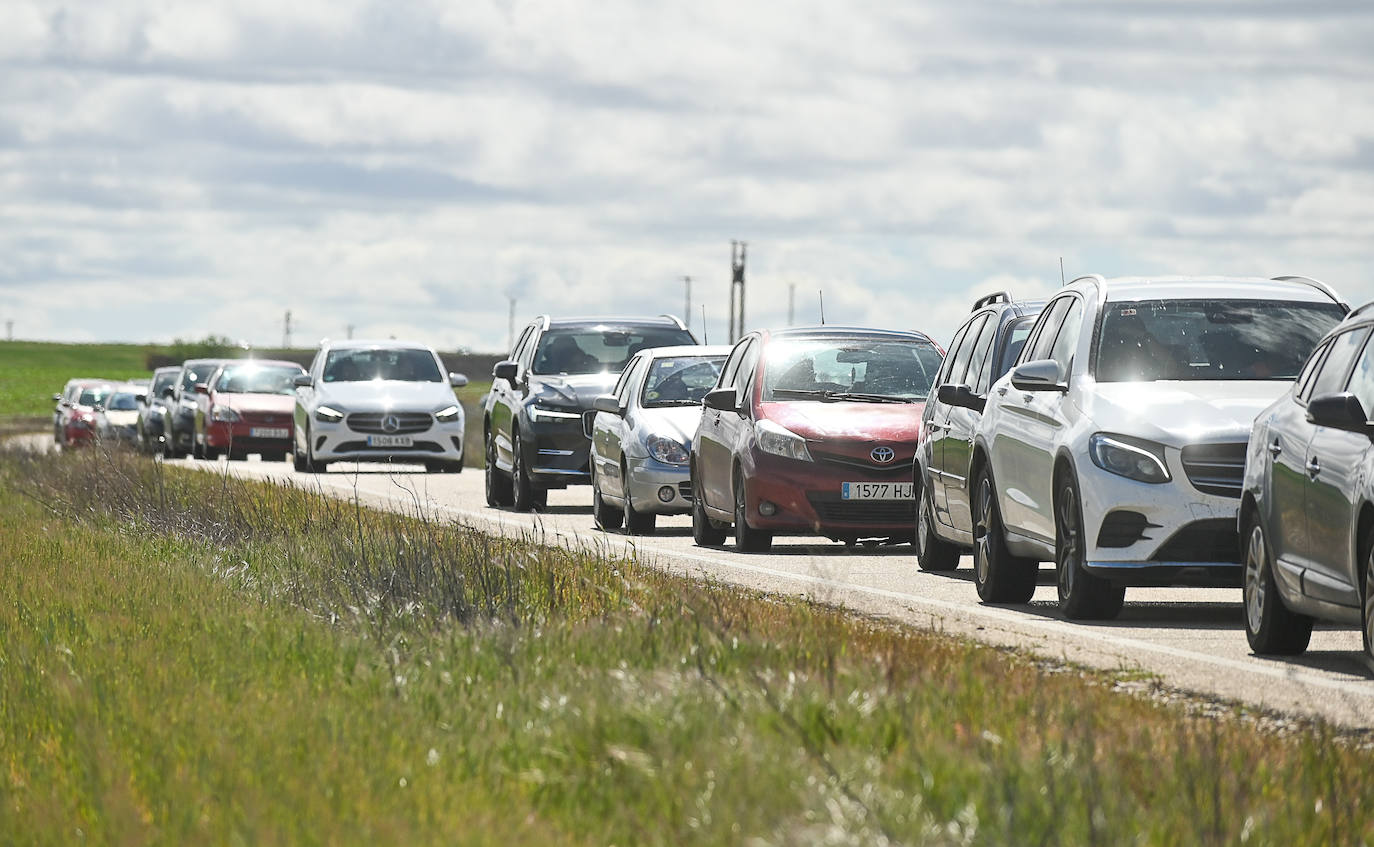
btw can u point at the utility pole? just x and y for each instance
(687, 305)
(510, 329)
(738, 253)
(350, 332)
(286, 331)
(9, 330)
(791, 300)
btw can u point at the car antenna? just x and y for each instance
(705, 337)
(1061, 271)
(820, 295)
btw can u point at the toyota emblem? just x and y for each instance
(391, 423)
(883, 455)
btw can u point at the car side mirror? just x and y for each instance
(303, 381)
(1040, 375)
(1339, 411)
(457, 380)
(608, 403)
(721, 399)
(57, 398)
(168, 392)
(202, 388)
(961, 396)
(142, 398)
(506, 370)
(588, 420)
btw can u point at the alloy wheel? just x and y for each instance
(1255, 595)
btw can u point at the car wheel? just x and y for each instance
(999, 576)
(1269, 625)
(497, 484)
(525, 497)
(636, 522)
(1082, 596)
(606, 516)
(705, 532)
(933, 553)
(1369, 605)
(748, 539)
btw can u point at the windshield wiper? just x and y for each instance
(836, 396)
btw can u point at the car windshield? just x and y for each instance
(1148, 340)
(161, 382)
(679, 380)
(403, 364)
(862, 369)
(597, 349)
(258, 379)
(121, 402)
(93, 396)
(192, 375)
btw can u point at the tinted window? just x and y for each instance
(850, 368)
(93, 396)
(1049, 328)
(1209, 339)
(121, 402)
(162, 381)
(191, 376)
(404, 364)
(952, 352)
(680, 380)
(961, 357)
(1305, 378)
(1362, 380)
(1016, 334)
(586, 350)
(747, 362)
(1344, 347)
(982, 352)
(257, 379)
(1066, 343)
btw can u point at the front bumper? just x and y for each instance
(807, 497)
(557, 453)
(437, 442)
(239, 437)
(1159, 534)
(650, 480)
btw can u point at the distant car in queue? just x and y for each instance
(246, 407)
(153, 408)
(116, 418)
(641, 434)
(812, 431)
(74, 417)
(180, 420)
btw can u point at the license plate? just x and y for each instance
(389, 441)
(269, 432)
(877, 490)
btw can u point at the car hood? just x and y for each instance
(383, 395)
(677, 422)
(1181, 413)
(576, 391)
(815, 420)
(282, 404)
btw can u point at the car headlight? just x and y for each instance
(544, 413)
(448, 414)
(1132, 458)
(666, 450)
(781, 441)
(327, 414)
(224, 414)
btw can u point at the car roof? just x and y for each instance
(167, 369)
(88, 380)
(195, 362)
(615, 320)
(1222, 287)
(689, 350)
(274, 362)
(378, 343)
(834, 331)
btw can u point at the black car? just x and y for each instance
(180, 419)
(532, 418)
(983, 349)
(1307, 509)
(153, 407)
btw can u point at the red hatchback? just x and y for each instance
(247, 406)
(812, 431)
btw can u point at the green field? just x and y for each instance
(188, 658)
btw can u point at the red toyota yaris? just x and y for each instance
(812, 431)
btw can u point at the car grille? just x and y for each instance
(371, 422)
(1209, 540)
(1215, 468)
(415, 447)
(277, 419)
(829, 507)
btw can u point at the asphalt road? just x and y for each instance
(1192, 639)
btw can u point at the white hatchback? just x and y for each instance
(1115, 447)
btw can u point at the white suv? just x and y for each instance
(1115, 447)
(378, 401)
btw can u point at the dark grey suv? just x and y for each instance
(532, 418)
(1307, 511)
(179, 421)
(983, 349)
(154, 405)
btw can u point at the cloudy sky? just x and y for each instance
(172, 168)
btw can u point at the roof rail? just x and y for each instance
(989, 299)
(1358, 309)
(675, 319)
(1098, 278)
(1317, 284)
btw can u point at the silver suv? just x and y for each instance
(1115, 447)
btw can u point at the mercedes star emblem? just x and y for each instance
(391, 423)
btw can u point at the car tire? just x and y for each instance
(933, 553)
(999, 576)
(525, 496)
(1270, 627)
(1082, 596)
(705, 532)
(636, 522)
(497, 484)
(606, 516)
(747, 539)
(1369, 604)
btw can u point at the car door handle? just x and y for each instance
(934, 427)
(1275, 449)
(1314, 467)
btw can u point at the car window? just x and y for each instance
(1305, 378)
(982, 351)
(600, 349)
(679, 380)
(952, 352)
(162, 381)
(1331, 377)
(1039, 347)
(403, 364)
(1066, 342)
(192, 375)
(959, 366)
(519, 347)
(629, 377)
(121, 402)
(1362, 378)
(619, 390)
(1014, 340)
(854, 368)
(93, 396)
(1209, 339)
(257, 379)
(748, 363)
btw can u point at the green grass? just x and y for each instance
(186, 658)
